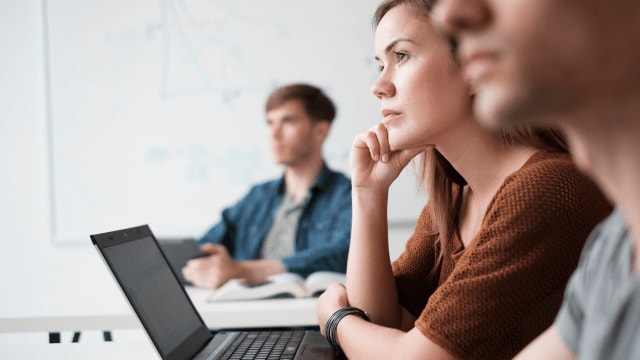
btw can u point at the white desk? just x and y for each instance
(95, 351)
(112, 312)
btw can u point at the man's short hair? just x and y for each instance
(318, 105)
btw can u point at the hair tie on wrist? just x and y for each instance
(331, 325)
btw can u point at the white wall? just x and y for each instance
(23, 200)
(28, 259)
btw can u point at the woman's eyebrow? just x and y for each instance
(392, 44)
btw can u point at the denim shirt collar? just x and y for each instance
(321, 181)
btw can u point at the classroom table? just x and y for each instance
(95, 351)
(113, 312)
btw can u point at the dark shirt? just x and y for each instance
(324, 228)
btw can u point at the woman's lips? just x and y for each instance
(388, 115)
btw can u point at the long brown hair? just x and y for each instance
(422, 7)
(436, 175)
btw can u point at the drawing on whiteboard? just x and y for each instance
(197, 165)
(199, 54)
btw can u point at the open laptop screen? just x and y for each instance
(153, 290)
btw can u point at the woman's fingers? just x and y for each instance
(383, 141)
(376, 139)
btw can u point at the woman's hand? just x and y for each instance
(331, 300)
(373, 164)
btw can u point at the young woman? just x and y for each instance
(485, 268)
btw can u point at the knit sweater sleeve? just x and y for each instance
(507, 285)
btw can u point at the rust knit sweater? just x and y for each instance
(487, 301)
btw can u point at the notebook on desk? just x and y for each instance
(168, 316)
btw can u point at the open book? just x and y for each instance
(278, 286)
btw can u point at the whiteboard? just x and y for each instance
(156, 107)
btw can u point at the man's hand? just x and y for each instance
(213, 270)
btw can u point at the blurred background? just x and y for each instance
(121, 113)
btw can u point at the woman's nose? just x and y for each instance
(382, 87)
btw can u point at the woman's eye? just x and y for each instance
(400, 56)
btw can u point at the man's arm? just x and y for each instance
(546, 346)
(218, 267)
(222, 232)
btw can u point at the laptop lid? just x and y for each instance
(154, 291)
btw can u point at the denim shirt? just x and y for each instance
(324, 228)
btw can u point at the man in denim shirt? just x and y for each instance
(299, 223)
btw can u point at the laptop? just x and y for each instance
(178, 252)
(169, 318)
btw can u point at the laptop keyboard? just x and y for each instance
(264, 345)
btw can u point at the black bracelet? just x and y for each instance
(331, 326)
